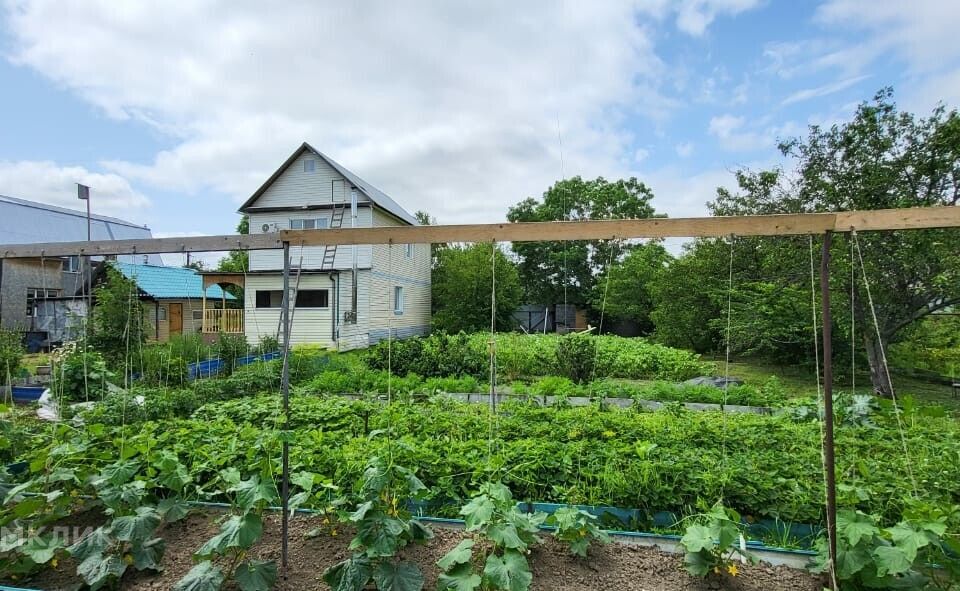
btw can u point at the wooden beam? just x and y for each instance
(754, 225)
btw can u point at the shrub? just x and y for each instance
(577, 357)
(11, 354)
(160, 366)
(79, 375)
(438, 355)
(229, 348)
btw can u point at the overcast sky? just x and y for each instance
(175, 112)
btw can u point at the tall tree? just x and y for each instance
(624, 290)
(463, 283)
(554, 272)
(118, 325)
(882, 158)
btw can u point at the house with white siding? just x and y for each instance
(347, 297)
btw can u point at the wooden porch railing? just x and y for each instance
(216, 320)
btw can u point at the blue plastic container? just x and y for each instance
(27, 393)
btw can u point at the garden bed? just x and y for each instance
(613, 566)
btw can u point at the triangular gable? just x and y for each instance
(375, 195)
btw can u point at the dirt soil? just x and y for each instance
(616, 566)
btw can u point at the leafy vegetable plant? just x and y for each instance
(577, 529)
(129, 539)
(383, 527)
(239, 531)
(713, 541)
(870, 556)
(495, 557)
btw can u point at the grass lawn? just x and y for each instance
(802, 381)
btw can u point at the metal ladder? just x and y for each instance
(330, 250)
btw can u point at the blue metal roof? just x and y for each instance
(169, 282)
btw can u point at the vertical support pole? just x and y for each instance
(285, 392)
(828, 447)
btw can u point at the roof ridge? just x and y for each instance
(68, 211)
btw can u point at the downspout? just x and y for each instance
(156, 319)
(353, 224)
(335, 325)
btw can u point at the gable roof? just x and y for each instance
(173, 283)
(375, 195)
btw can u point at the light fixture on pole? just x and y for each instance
(83, 193)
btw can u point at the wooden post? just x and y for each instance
(828, 446)
(285, 392)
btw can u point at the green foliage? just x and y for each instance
(681, 314)
(932, 345)
(168, 403)
(881, 158)
(240, 529)
(118, 328)
(625, 290)
(462, 282)
(383, 527)
(520, 355)
(237, 261)
(712, 541)
(545, 267)
(577, 529)
(870, 556)
(495, 557)
(577, 356)
(80, 373)
(229, 348)
(11, 354)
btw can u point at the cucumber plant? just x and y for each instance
(870, 556)
(240, 529)
(383, 526)
(495, 556)
(135, 514)
(577, 529)
(713, 541)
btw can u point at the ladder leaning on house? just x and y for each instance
(330, 250)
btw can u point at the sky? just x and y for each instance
(174, 113)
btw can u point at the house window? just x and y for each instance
(398, 300)
(71, 264)
(309, 165)
(37, 294)
(409, 251)
(269, 298)
(313, 298)
(308, 223)
(161, 314)
(306, 298)
(197, 315)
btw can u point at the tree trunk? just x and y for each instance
(878, 373)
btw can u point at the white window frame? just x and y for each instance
(301, 223)
(309, 165)
(409, 251)
(162, 314)
(398, 299)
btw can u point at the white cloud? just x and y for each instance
(823, 90)
(736, 135)
(640, 155)
(451, 108)
(694, 16)
(51, 183)
(684, 149)
(922, 31)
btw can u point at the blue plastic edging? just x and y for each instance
(5, 588)
(754, 545)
